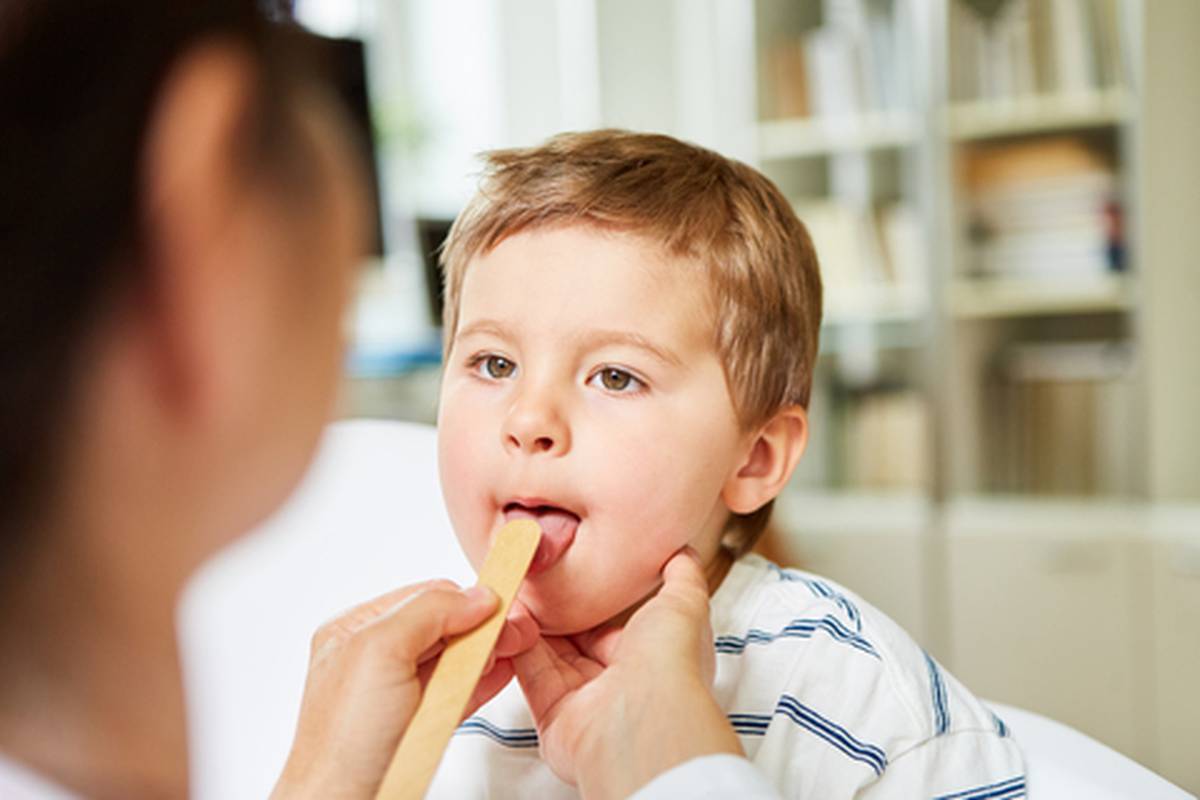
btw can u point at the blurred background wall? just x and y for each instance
(1005, 198)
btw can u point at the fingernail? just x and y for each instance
(479, 594)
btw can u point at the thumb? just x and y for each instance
(685, 581)
(684, 595)
(425, 618)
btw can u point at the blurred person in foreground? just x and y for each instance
(180, 220)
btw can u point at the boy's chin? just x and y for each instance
(563, 619)
(551, 623)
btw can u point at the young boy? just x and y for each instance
(632, 328)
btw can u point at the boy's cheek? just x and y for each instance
(666, 506)
(459, 470)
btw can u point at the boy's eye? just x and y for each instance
(498, 367)
(617, 380)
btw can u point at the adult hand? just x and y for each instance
(367, 670)
(615, 708)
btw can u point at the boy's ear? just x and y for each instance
(774, 452)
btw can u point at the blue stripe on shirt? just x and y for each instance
(937, 688)
(519, 738)
(822, 589)
(802, 628)
(1004, 790)
(750, 724)
(800, 714)
(832, 733)
(841, 599)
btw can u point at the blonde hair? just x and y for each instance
(695, 204)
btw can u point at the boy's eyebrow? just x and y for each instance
(603, 338)
(487, 326)
(591, 340)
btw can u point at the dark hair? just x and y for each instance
(78, 82)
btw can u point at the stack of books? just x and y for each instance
(1043, 209)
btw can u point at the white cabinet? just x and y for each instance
(1048, 621)
(1084, 612)
(1176, 625)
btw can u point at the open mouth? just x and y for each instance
(558, 529)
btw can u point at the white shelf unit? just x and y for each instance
(1066, 582)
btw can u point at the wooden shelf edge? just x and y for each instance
(994, 298)
(1037, 114)
(820, 136)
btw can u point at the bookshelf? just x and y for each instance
(1022, 384)
(967, 173)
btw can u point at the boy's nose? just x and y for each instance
(535, 428)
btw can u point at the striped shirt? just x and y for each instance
(830, 698)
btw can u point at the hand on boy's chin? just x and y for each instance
(599, 642)
(522, 630)
(640, 662)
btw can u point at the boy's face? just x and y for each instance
(583, 389)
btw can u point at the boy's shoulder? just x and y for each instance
(763, 603)
(758, 591)
(832, 699)
(787, 633)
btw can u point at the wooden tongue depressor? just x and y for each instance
(459, 669)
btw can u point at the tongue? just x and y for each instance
(558, 531)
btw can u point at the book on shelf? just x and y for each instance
(1020, 48)
(1062, 415)
(837, 82)
(854, 62)
(785, 78)
(1047, 208)
(904, 251)
(885, 441)
(871, 259)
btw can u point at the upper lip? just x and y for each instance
(536, 503)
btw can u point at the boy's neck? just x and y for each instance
(717, 568)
